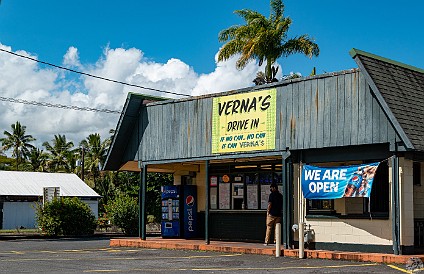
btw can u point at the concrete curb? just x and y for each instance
(252, 248)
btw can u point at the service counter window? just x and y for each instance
(252, 191)
(245, 188)
(237, 197)
(224, 190)
(213, 192)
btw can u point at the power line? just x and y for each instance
(91, 75)
(45, 104)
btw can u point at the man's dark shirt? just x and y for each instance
(276, 200)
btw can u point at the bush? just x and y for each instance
(123, 212)
(66, 216)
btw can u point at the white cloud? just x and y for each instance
(25, 79)
(71, 58)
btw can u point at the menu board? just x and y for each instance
(213, 197)
(252, 197)
(264, 196)
(224, 196)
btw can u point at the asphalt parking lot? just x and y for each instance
(93, 255)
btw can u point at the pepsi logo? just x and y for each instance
(190, 200)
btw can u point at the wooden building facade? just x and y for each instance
(372, 113)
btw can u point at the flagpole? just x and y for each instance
(301, 216)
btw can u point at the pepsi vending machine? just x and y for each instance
(179, 211)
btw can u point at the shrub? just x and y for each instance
(123, 212)
(66, 216)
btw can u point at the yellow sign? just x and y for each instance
(244, 122)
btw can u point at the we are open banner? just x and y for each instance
(338, 182)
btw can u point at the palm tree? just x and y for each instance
(96, 154)
(263, 39)
(18, 141)
(60, 153)
(38, 159)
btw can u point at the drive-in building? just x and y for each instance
(233, 145)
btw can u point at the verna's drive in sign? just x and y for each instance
(244, 122)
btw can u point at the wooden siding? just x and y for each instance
(325, 111)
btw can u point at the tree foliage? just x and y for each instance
(60, 154)
(18, 141)
(95, 154)
(123, 211)
(263, 39)
(65, 216)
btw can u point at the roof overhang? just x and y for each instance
(129, 116)
(356, 55)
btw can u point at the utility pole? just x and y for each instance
(82, 163)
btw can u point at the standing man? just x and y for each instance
(273, 216)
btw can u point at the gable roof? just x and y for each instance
(18, 183)
(124, 128)
(399, 88)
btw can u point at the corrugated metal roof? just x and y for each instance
(32, 183)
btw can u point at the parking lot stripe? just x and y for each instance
(233, 268)
(400, 269)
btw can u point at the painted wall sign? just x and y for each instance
(338, 182)
(244, 122)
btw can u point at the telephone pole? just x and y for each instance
(82, 163)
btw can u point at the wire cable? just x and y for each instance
(45, 104)
(91, 75)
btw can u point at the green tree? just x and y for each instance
(106, 188)
(18, 141)
(95, 154)
(263, 39)
(6, 163)
(123, 212)
(128, 183)
(37, 159)
(66, 216)
(60, 154)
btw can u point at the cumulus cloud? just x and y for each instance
(25, 79)
(71, 58)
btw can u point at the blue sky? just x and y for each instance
(170, 45)
(188, 30)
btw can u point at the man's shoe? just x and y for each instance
(265, 244)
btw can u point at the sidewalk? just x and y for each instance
(256, 248)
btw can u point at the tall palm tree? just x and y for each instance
(18, 141)
(263, 39)
(38, 159)
(60, 153)
(96, 152)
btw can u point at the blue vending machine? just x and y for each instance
(179, 212)
(170, 225)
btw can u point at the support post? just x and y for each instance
(207, 240)
(286, 201)
(277, 240)
(301, 215)
(395, 205)
(142, 204)
(301, 240)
